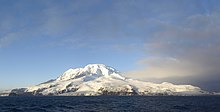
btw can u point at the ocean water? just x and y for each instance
(111, 104)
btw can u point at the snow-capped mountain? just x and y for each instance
(5, 92)
(99, 79)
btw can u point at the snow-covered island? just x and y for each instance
(99, 79)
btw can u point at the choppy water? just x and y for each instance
(111, 103)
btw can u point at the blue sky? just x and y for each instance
(151, 40)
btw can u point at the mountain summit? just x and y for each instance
(89, 72)
(99, 79)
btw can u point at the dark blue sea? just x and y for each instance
(111, 104)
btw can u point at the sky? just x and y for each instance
(175, 41)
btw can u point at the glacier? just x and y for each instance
(99, 79)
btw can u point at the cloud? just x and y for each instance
(8, 39)
(71, 43)
(184, 50)
(163, 67)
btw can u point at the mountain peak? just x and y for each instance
(95, 65)
(92, 70)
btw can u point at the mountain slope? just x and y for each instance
(99, 79)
